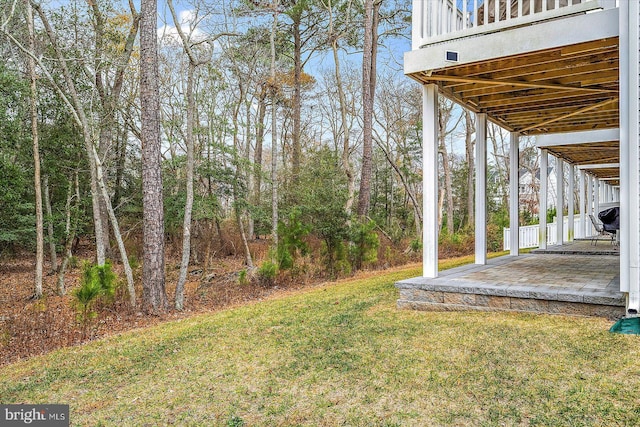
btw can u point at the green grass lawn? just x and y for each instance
(344, 355)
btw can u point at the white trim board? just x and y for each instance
(577, 138)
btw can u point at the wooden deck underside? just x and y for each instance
(566, 89)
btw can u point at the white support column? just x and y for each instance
(542, 211)
(590, 230)
(629, 154)
(601, 194)
(559, 201)
(625, 185)
(582, 230)
(571, 203)
(514, 193)
(596, 197)
(481, 189)
(430, 180)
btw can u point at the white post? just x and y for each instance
(520, 9)
(582, 230)
(625, 184)
(611, 192)
(592, 200)
(481, 189)
(514, 193)
(596, 195)
(542, 211)
(430, 180)
(417, 23)
(559, 201)
(465, 14)
(485, 19)
(589, 204)
(571, 202)
(443, 18)
(475, 13)
(629, 152)
(590, 195)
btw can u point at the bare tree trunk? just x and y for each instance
(346, 164)
(372, 8)
(52, 241)
(296, 151)
(191, 123)
(36, 154)
(188, 208)
(257, 154)
(444, 115)
(417, 219)
(70, 231)
(103, 140)
(274, 131)
(469, 144)
(120, 165)
(245, 244)
(239, 212)
(416, 206)
(116, 231)
(153, 281)
(248, 173)
(440, 207)
(501, 161)
(342, 129)
(109, 95)
(447, 186)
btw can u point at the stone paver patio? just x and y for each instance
(573, 284)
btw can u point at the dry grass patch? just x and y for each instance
(343, 355)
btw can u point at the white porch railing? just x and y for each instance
(530, 234)
(439, 20)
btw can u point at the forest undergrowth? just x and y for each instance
(218, 280)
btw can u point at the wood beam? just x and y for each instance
(575, 113)
(600, 166)
(515, 83)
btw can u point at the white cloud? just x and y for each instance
(168, 34)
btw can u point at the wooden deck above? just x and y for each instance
(555, 76)
(565, 89)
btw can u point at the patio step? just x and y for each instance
(416, 297)
(456, 290)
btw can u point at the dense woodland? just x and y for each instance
(282, 133)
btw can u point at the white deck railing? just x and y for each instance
(439, 20)
(530, 234)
